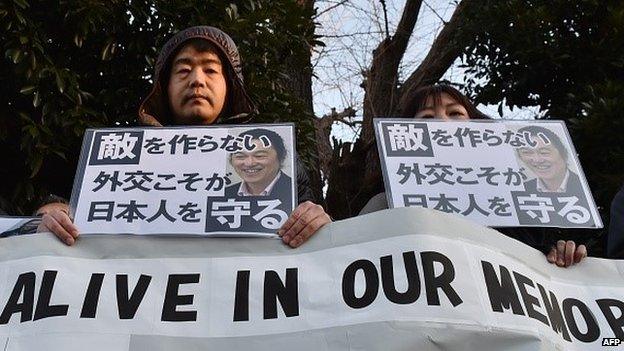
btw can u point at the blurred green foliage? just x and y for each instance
(70, 65)
(567, 57)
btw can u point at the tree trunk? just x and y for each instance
(355, 172)
(299, 82)
(445, 50)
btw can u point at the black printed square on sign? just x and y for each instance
(407, 139)
(116, 148)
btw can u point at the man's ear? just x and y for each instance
(226, 111)
(164, 91)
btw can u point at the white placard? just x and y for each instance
(191, 180)
(502, 174)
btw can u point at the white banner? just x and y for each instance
(10, 226)
(393, 280)
(191, 180)
(497, 173)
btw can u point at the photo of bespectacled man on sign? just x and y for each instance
(551, 182)
(265, 187)
(497, 173)
(260, 169)
(548, 160)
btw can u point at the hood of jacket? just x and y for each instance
(155, 111)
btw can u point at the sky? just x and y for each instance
(351, 30)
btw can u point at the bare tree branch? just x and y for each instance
(323, 130)
(346, 195)
(385, 12)
(381, 81)
(434, 12)
(349, 35)
(330, 8)
(444, 51)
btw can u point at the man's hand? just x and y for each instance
(57, 221)
(303, 222)
(566, 253)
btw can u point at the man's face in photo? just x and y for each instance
(197, 86)
(544, 160)
(257, 168)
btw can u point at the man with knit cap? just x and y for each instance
(199, 81)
